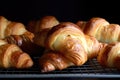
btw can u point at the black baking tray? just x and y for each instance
(91, 69)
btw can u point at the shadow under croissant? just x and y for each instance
(32, 49)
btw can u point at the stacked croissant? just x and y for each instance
(65, 43)
(12, 36)
(73, 44)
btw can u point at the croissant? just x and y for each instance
(71, 46)
(41, 27)
(52, 60)
(45, 22)
(101, 29)
(109, 55)
(8, 28)
(12, 56)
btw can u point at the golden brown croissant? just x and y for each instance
(70, 41)
(8, 28)
(45, 22)
(109, 56)
(41, 27)
(69, 34)
(102, 30)
(52, 60)
(12, 56)
(70, 44)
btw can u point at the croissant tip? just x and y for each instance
(43, 71)
(46, 70)
(47, 67)
(25, 63)
(29, 63)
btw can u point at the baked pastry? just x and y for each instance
(69, 44)
(8, 28)
(12, 56)
(102, 30)
(36, 26)
(41, 27)
(109, 55)
(52, 60)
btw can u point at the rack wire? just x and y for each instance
(90, 69)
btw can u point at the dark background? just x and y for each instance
(63, 10)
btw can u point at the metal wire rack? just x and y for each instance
(90, 69)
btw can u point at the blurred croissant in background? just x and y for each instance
(8, 28)
(101, 29)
